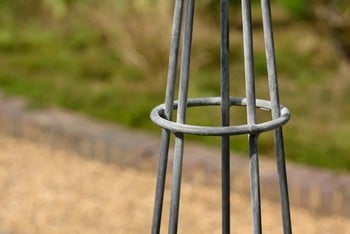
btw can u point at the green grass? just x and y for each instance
(112, 66)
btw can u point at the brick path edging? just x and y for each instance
(319, 190)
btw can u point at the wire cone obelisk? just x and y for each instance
(162, 114)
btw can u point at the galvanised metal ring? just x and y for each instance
(158, 117)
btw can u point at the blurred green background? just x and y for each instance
(108, 59)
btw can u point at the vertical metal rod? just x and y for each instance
(278, 135)
(255, 182)
(225, 114)
(181, 117)
(248, 61)
(283, 182)
(169, 99)
(251, 114)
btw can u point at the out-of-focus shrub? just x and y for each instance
(334, 16)
(300, 9)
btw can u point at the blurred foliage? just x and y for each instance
(298, 8)
(108, 59)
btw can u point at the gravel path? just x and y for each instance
(46, 191)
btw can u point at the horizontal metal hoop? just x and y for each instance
(158, 117)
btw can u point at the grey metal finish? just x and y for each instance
(162, 115)
(181, 117)
(251, 113)
(274, 96)
(169, 99)
(225, 114)
(157, 116)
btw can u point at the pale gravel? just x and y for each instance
(52, 191)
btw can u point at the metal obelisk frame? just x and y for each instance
(162, 114)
